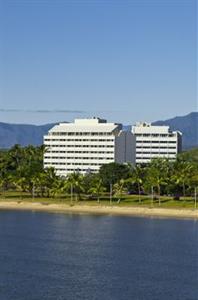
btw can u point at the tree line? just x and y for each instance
(21, 169)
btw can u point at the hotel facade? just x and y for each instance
(85, 145)
(155, 141)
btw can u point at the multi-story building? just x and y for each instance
(155, 141)
(86, 145)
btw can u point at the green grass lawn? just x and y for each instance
(126, 200)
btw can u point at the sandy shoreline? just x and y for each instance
(114, 210)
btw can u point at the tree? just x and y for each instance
(189, 156)
(4, 173)
(113, 172)
(97, 187)
(182, 174)
(118, 189)
(56, 186)
(89, 179)
(137, 178)
(157, 175)
(15, 157)
(45, 182)
(76, 181)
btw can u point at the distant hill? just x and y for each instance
(188, 125)
(11, 134)
(23, 134)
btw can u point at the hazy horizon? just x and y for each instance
(79, 117)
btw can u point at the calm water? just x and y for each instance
(58, 256)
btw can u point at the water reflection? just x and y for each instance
(59, 256)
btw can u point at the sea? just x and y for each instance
(54, 256)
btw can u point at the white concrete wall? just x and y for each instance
(81, 146)
(155, 141)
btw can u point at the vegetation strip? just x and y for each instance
(162, 183)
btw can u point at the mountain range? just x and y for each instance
(25, 134)
(188, 125)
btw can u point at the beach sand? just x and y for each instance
(100, 209)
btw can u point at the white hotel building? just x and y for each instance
(155, 141)
(86, 145)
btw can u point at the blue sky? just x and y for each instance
(122, 60)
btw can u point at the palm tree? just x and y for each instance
(47, 179)
(157, 175)
(182, 174)
(39, 182)
(97, 188)
(4, 174)
(20, 183)
(56, 186)
(137, 178)
(76, 180)
(118, 189)
(15, 156)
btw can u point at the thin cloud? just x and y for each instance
(49, 111)
(43, 111)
